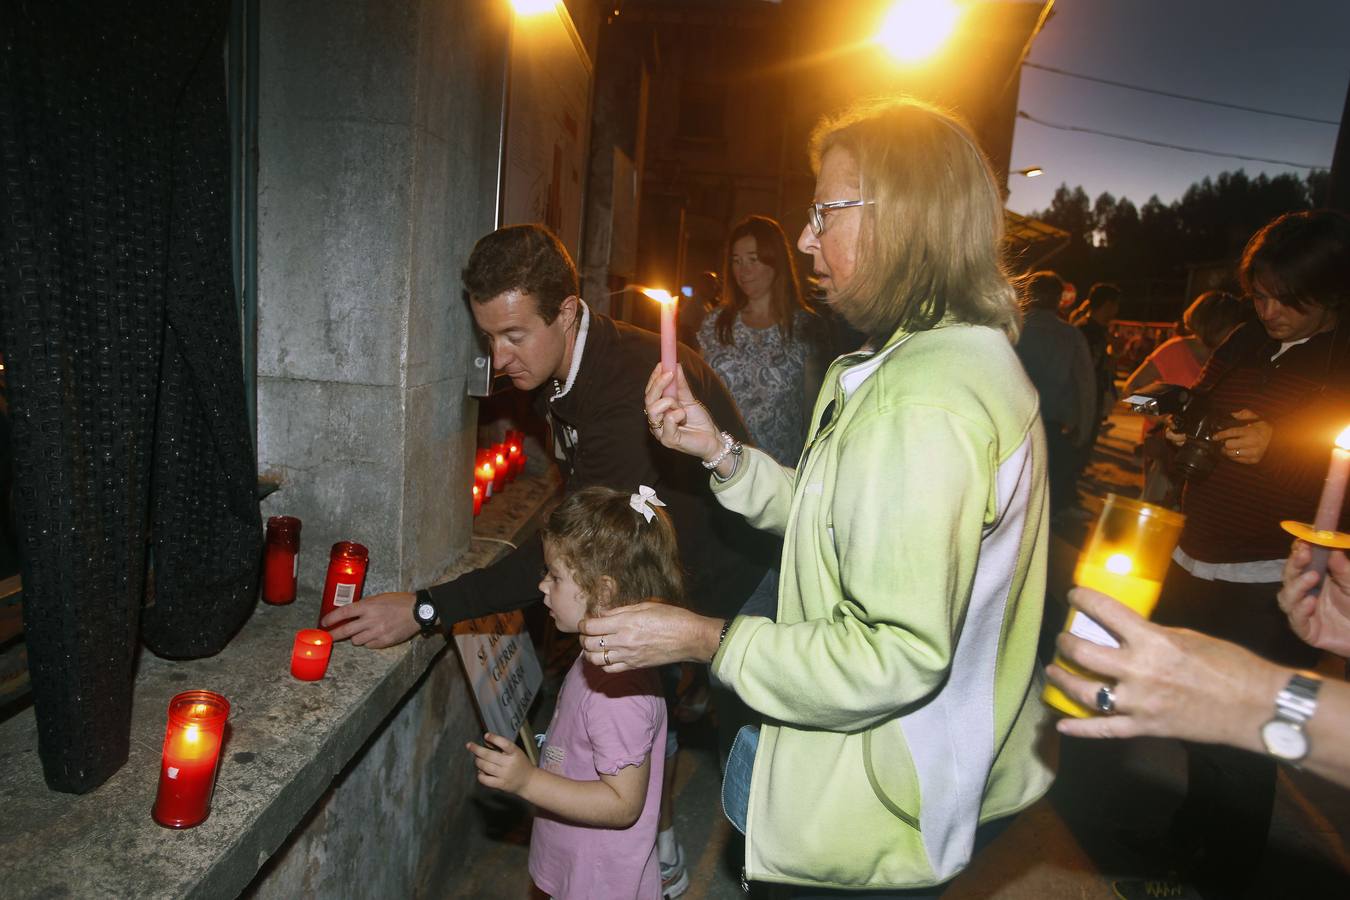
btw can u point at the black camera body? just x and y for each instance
(1193, 416)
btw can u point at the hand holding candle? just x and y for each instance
(187, 774)
(1126, 558)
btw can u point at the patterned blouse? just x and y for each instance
(766, 377)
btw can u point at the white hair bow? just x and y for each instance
(644, 500)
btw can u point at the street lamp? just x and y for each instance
(533, 7)
(1029, 171)
(913, 30)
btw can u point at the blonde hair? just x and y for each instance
(599, 534)
(930, 242)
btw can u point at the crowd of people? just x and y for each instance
(875, 657)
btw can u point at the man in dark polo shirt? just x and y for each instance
(587, 373)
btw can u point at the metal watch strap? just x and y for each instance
(1298, 700)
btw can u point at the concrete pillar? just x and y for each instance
(378, 123)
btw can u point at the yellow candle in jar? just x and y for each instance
(1113, 576)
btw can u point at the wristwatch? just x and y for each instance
(424, 611)
(1283, 735)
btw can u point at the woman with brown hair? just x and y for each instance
(764, 342)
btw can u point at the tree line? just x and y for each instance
(1148, 250)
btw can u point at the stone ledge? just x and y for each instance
(287, 741)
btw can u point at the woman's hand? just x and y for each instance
(1247, 443)
(1321, 619)
(680, 422)
(1167, 682)
(501, 765)
(648, 634)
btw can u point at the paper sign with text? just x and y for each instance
(503, 671)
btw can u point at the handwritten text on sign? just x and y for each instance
(502, 668)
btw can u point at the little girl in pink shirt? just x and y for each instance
(597, 788)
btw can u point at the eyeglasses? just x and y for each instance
(815, 213)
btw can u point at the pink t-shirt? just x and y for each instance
(603, 722)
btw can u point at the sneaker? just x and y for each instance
(674, 876)
(1154, 889)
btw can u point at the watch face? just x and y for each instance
(426, 613)
(1284, 740)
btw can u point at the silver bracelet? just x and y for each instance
(729, 445)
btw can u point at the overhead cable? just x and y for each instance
(1176, 96)
(1023, 114)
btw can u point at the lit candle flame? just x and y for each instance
(1119, 564)
(1343, 439)
(659, 295)
(191, 734)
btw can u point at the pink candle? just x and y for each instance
(668, 307)
(1333, 498)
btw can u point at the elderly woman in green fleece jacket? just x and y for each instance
(898, 682)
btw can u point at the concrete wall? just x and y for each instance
(378, 148)
(377, 145)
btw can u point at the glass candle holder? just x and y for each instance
(515, 453)
(484, 473)
(310, 654)
(187, 772)
(1126, 558)
(281, 559)
(346, 574)
(499, 468)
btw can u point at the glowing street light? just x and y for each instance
(915, 29)
(1029, 171)
(533, 7)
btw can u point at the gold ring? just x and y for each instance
(606, 657)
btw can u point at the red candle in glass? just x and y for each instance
(346, 573)
(281, 556)
(309, 656)
(499, 469)
(187, 773)
(485, 473)
(518, 452)
(477, 499)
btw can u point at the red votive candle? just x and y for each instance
(346, 573)
(477, 499)
(187, 772)
(281, 556)
(499, 470)
(515, 457)
(485, 474)
(309, 656)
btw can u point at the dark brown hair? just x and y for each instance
(598, 533)
(525, 258)
(1300, 258)
(1214, 314)
(1043, 289)
(771, 246)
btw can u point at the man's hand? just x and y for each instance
(501, 764)
(377, 621)
(1248, 442)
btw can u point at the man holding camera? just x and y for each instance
(1284, 385)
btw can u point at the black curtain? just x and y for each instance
(121, 339)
